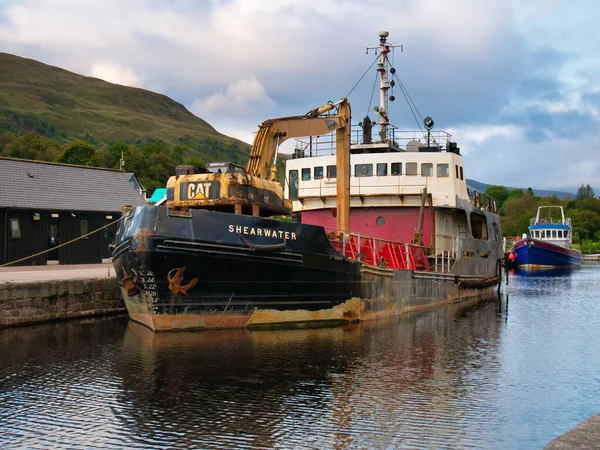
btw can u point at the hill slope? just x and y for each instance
(60, 104)
(481, 187)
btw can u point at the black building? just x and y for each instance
(43, 205)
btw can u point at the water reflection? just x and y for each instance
(550, 273)
(376, 384)
(467, 375)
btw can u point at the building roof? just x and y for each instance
(63, 187)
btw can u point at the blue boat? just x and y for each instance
(549, 244)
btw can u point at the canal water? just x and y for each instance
(512, 372)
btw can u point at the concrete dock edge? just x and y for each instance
(584, 436)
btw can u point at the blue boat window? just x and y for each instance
(306, 174)
(396, 168)
(554, 234)
(331, 171)
(559, 232)
(381, 169)
(318, 173)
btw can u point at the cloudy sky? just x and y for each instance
(517, 82)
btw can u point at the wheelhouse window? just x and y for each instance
(318, 173)
(382, 169)
(293, 185)
(412, 168)
(553, 234)
(396, 168)
(15, 229)
(559, 233)
(426, 170)
(363, 170)
(331, 171)
(443, 170)
(306, 174)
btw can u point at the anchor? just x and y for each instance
(175, 282)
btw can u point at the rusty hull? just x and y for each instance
(389, 305)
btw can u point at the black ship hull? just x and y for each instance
(220, 270)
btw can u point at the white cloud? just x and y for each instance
(240, 97)
(473, 137)
(115, 74)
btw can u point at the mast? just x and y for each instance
(384, 85)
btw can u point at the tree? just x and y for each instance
(500, 193)
(585, 192)
(155, 146)
(586, 223)
(589, 204)
(195, 161)
(77, 152)
(517, 214)
(515, 193)
(178, 152)
(32, 146)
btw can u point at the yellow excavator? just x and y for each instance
(253, 189)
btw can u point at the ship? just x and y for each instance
(549, 243)
(369, 222)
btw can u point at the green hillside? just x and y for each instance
(65, 106)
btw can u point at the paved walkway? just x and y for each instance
(57, 272)
(584, 436)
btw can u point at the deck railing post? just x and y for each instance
(443, 261)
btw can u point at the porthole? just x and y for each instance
(380, 221)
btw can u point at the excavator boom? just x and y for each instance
(273, 132)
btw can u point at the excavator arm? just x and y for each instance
(273, 132)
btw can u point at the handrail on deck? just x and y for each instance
(378, 252)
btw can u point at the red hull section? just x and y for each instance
(399, 224)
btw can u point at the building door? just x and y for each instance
(108, 236)
(53, 241)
